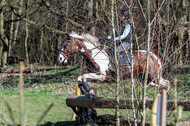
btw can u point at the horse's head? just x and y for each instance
(77, 43)
(69, 47)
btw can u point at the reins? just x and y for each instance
(71, 49)
(69, 55)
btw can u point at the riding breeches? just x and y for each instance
(123, 46)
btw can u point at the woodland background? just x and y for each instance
(34, 30)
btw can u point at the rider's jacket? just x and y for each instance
(125, 30)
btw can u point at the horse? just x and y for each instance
(100, 67)
(99, 63)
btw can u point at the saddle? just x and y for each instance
(123, 59)
(126, 59)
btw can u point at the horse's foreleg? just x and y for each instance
(83, 85)
(92, 77)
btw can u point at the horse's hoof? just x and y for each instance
(168, 86)
(169, 97)
(90, 94)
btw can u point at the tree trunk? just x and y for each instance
(117, 65)
(187, 12)
(67, 13)
(132, 79)
(11, 34)
(17, 24)
(159, 27)
(146, 68)
(41, 45)
(3, 38)
(91, 17)
(97, 16)
(5, 51)
(1, 51)
(26, 37)
(181, 32)
(1, 30)
(188, 44)
(167, 27)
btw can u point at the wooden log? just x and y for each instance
(110, 103)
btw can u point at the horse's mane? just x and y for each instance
(85, 37)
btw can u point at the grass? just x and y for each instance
(35, 102)
(40, 90)
(54, 86)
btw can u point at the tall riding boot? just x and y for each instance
(81, 86)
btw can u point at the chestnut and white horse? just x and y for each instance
(99, 61)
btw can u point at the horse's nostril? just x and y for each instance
(60, 58)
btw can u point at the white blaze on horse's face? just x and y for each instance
(62, 59)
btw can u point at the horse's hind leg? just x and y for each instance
(84, 88)
(163, 83)
(90, 77)
(83, 85)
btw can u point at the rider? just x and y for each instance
(125, 29)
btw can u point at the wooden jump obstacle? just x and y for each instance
(110, 103)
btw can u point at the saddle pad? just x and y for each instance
(125, 59)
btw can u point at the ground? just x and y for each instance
(44, 85)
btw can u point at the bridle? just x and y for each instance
(71, 51)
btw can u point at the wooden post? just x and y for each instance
(110, 103)
(164, 107)
(21, 88)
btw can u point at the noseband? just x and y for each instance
(62, 51)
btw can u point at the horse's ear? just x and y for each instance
(68, 37)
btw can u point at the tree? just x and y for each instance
(3, 37)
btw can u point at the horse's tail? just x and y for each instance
(167, 66)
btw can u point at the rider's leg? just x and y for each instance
(124, 46)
